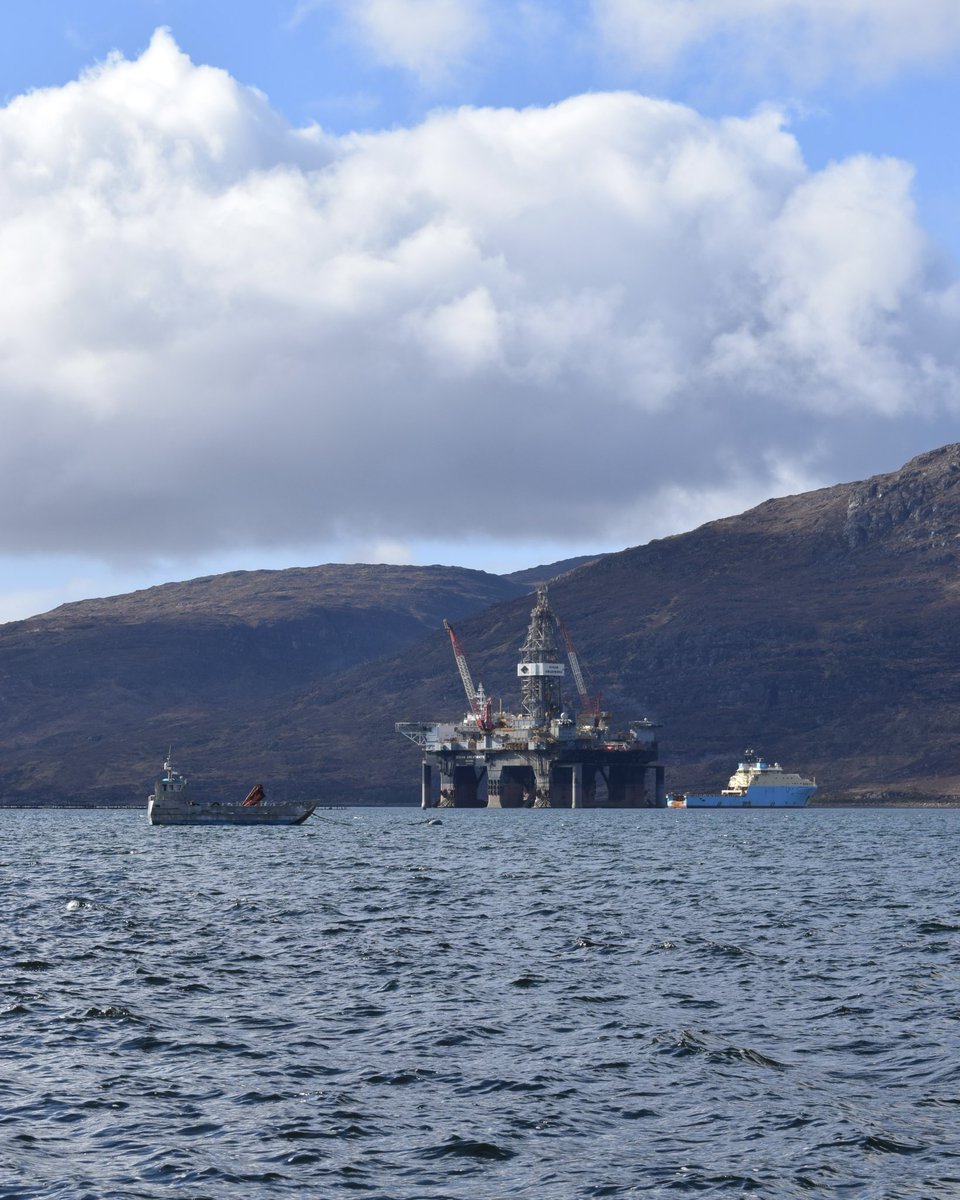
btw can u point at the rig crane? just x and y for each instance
(590, 704)
(479, 705)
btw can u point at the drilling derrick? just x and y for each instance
(540, 668)
(539, 756)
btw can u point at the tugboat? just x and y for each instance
(171, 804)
(757, 784)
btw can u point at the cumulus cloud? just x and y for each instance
(217, 331)
(428, 38)
(806, 40)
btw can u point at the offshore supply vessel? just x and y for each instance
(755, 784)
(547, 754)
(171, 803)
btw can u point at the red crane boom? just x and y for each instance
(481, 710)
(589, 703)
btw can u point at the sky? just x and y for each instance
(489, 283)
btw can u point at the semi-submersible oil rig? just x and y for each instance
(544, 756)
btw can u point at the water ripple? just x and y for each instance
(540, 1005)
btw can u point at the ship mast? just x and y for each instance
(540, 668)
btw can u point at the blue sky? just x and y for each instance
(488, 282)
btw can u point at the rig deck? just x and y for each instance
(543, 756)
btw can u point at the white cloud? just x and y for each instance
(428, 38)
(838, 269)
(805, 40)
(217, 332)
(387, 551)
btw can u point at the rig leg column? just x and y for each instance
(494, 770)
(661, 793)
(576, 785)
(601, 795)
(426, 786)
(541, 791)
(448, 788)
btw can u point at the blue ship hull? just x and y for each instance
(757, 796)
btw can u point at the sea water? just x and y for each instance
(395, 1005)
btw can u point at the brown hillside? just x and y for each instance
(819, 629)
(92, 693)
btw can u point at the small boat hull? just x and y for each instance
(188, 812)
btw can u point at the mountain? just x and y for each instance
(92, 693)
(535, 576)
(819, 629)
